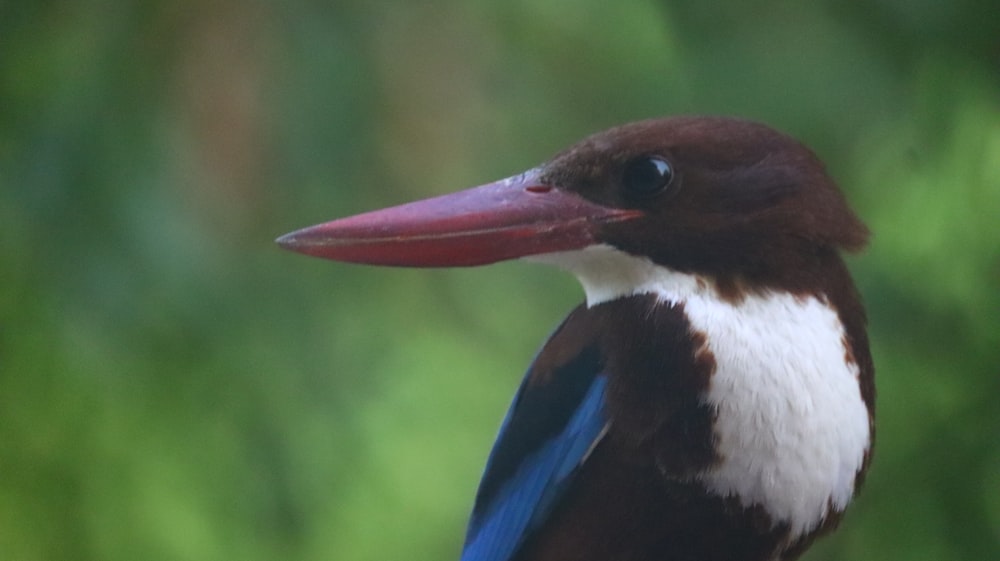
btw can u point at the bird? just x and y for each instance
(713, 397)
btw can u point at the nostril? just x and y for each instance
(538, 189)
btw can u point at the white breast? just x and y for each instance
(791, 428)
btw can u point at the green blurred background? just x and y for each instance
(174, 387)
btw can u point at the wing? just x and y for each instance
(556, 419)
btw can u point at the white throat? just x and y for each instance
(608, 274)
(791, 429)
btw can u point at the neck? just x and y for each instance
(791, 428)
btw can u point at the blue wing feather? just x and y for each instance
(527, 474)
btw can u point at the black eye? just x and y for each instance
(647, 176)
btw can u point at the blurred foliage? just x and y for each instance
(174, 387)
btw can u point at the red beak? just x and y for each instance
(511, 218)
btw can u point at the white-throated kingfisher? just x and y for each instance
(713, 398)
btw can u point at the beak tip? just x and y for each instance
(288, 241)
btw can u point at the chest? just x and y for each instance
(790, 428)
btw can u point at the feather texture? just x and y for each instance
(556, 419)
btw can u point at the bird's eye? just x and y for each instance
(647, 176)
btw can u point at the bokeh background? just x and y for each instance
(175, 387)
